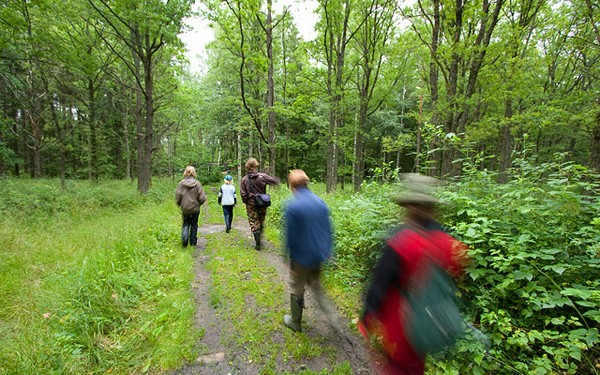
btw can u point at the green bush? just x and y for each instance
(361, 223)
(533, 286)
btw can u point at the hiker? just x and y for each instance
(253, 188)
(227, 200)
(308, 241)
(190, 196)
(419, 240)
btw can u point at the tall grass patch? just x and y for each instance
(103, 289)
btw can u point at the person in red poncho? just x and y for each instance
(419, 237)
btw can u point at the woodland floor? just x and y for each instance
(217, 358)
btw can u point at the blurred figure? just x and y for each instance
(190, 196)
(255, 183)
(309, 240)
(227, 200)
(419, 240)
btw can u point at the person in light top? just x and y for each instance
(227, 200)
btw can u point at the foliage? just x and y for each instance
(533, 284)
(361, 222)
(101, 285)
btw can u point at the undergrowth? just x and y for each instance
(93, 280)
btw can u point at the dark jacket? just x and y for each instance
(308, 231)
(190, 195)
(258, 186)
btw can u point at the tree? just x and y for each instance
(457, 35)
(144, 30)
(521, 17)
(336, 32)
(372, 42)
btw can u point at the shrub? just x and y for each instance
(534, 281)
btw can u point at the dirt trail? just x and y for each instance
(231, 361)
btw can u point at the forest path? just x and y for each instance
(335, 352)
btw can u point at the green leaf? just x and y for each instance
(471, 232)
(535, 335)
(475, 273)
(581, 293)
(591, 338)
(593, 314)
(520, 275)
(575, 352)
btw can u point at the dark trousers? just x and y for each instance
(190, 229)
(228, 215)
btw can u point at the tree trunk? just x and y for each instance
(595, 144)
(145, 167)
(506, 142)
(284, 94)
(16, 146)
(239, 155)
(451, 125)
(125, 119)
(332, 154)
(359, 160)
(419, 125)
(93, 151)
(139, 121)
(270, 91)
(434, 71)
(36, 131)
(61, 145)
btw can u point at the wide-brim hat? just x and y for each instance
(416, 198)
(419, 190)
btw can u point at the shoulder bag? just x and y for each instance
(260, 199)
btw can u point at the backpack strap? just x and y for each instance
(249, 180)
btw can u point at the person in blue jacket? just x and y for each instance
(309, 241)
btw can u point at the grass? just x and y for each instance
(100, 289)
(94, 281)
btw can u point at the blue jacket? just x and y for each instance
(308, 232)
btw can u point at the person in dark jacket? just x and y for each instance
(253, 184)
(190, 196)
(309, 241)
(420, 238)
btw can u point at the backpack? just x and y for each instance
(433, 321)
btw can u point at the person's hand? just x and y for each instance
(362, 329)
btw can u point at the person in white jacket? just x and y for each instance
(227, 200)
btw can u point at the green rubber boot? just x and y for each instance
(294, 321)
